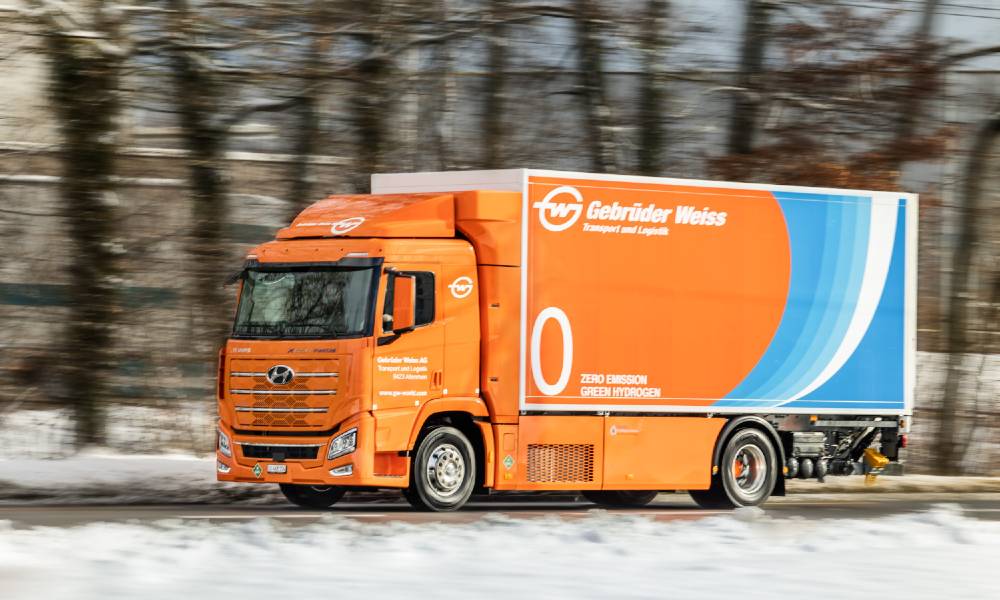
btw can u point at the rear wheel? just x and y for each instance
(620, 499)
(747, 473)
(444, 471)
(312, 496)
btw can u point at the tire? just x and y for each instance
(747, 473)
(620, 499)
(443, 473)
(312, 496)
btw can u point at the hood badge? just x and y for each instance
(280, 375)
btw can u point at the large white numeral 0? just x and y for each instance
(536, 356)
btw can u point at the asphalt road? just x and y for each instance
(666, 507)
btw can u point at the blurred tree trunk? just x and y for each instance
(496, 80)
(305, 144)
(950, 445)
(653, 42)
(435, 100)
(593, 87)
(923, 72)
(743, 120)
(307, 133)
(370, 101)
(196, 102)
(84, 86)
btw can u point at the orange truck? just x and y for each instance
(468, 332)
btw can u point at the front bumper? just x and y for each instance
(368, 468)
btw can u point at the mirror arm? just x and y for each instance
(385, 340)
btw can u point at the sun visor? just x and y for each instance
(376, 215)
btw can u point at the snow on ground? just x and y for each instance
(937, 554)
(107, 478)
(182, 426)
(925, 484)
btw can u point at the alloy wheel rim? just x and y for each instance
(749, 469)
(445, 470)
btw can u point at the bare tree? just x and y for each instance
(922, 77)
(435, 108)
(949, 445)
(743, 120)
(306, 136)
(197, 95)
(598, 121)
(370, 104)
(491, 120)
(85, 58)
(652, 43)
(831, 106)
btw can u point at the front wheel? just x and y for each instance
(312, 496)
(620, 499)
(443, 472)
(747, 473)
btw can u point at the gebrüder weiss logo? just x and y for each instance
(461, 287)
(559, 216)
(342, 227)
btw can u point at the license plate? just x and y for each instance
(277, 469)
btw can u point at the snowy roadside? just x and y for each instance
(100, 478)
(916, 484)
(747, 554)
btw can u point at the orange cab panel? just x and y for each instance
(659, 453)
(393, 427)
(492, 221)
(499, 311)
(506, 468)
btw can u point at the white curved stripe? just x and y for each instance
(881, 238)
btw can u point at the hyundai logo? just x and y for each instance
(280, 375)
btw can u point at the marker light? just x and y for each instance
(342, 471)
(224, 447)
(344, 443)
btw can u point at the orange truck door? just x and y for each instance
(407, 370)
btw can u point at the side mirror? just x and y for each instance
(404, 302)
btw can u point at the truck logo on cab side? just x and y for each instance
(280, 375)
(342, 227)
(461, 287)
(568, 212)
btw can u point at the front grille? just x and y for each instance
(279, 413)
(302, 403)
(560, 463)
(269, 452)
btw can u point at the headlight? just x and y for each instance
(224, 444)
(344, 443)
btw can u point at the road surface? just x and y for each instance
(667, 507)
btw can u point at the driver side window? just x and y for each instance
(424, 309)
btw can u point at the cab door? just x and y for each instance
(408, 366)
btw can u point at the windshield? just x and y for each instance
(315, 303)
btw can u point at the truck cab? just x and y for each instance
(357, 331)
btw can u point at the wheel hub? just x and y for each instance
(445, 469)
(749, 469)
